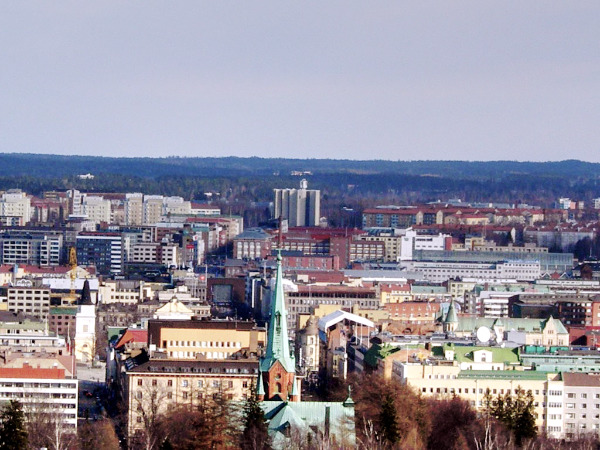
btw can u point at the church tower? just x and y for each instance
(277, 377)
(85, 326)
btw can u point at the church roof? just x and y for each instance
(278, 341)
(86, 296)
(451, 317)
(309, 416)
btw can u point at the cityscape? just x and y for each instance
(299, 226)
(122, 311)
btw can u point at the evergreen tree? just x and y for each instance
(13, 435)
(516, 413)
(255, 435)
(388, 420)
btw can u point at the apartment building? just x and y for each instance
(31, 301)
(169, 383)
(35, 246)
(581, 404)
(104, 250)
(42, 390)
(445, 380)
(15, 204)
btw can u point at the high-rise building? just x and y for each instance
(300, 207)
(103, 250)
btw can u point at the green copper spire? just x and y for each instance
(260, 389)
(278, 346)
(451, 317)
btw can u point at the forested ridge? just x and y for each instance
(342, 182)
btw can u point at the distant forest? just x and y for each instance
(241, 182)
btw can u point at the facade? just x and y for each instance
(105, 251)
(97, 209)
(309, 297)
(440, 272)
(581, 407)
(42, 390)
(300, 207)
(164, 384)
(15, 204)
(34, 302)
(208, 340)
(134, 208)
(41, 247)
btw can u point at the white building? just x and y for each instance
(440, 272)
(16, 204)
(411, 241)
(42, 390)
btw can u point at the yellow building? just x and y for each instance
(205, 339)
(159, 385)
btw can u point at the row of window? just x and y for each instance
(209, 344)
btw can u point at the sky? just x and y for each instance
(397, 80)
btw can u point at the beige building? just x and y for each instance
(160, 385)
(205, 339)
(124, 291)
(446, 379)
(134, 208)
(34, 302)
(97, 209)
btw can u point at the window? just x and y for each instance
(169, 382)
(200, 383)
(184, 383)
(139, 381)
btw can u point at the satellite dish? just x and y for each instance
(483, 334)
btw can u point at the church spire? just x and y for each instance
(278, 346)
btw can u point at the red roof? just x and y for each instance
(32, 372)
(132, 335)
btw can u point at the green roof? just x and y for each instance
(307, 416)
(527, 325)
(504, 374)
(65, 310)
(377, 352)
(499, 354)
(428, 289)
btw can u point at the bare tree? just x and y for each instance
(46, 427)
(147, 409)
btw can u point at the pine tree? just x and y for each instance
(388, 420)
(516, 413)
(12, 427)
(256, 433)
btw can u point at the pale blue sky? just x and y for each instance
(394, 80)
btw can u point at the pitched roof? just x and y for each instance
(132, 336)
(581, 379)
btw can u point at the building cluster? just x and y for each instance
(185, 305)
